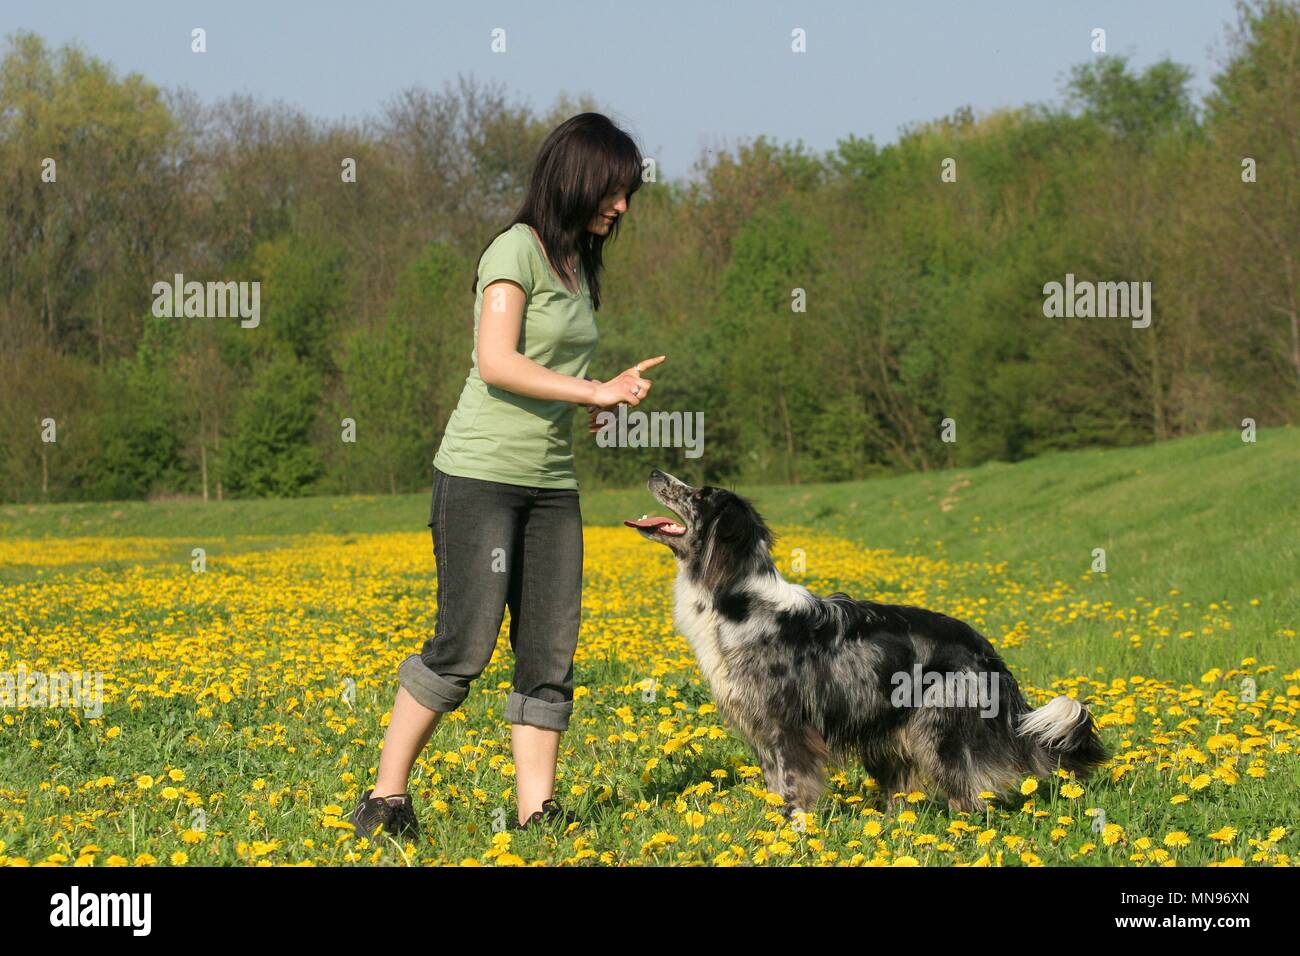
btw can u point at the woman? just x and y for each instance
(507, 530)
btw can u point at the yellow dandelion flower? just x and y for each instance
(1224, 835)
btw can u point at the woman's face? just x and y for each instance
(611, 207)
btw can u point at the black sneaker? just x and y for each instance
(375, 812)
(550, 814)
(532, 821)
(557, 814)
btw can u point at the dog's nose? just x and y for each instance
(656, 473)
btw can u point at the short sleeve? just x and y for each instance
(510, 256)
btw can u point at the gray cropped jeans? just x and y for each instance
(496, 546)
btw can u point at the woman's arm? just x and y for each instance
(501, 365)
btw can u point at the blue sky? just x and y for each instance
(682, 76)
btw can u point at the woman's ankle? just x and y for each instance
(527, 814)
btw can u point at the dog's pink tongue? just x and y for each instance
(647, 522)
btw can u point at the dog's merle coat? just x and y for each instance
(802, 677)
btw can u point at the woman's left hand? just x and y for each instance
(593, 414)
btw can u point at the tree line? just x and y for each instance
(861, 311)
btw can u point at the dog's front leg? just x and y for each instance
(770, 763)
(799, 769)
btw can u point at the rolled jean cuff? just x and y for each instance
(428, 689)
(538, 713)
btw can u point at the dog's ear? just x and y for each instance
(734, 535)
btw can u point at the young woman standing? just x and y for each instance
(507, 529)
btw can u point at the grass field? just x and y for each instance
(244, 705)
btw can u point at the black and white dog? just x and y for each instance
(802, 677)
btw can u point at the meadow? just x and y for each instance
(244, 704)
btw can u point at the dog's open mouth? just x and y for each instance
(662, 525)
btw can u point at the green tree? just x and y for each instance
(302, 295)
(1133, 105)
(270, 452)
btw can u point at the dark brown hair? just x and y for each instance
(583, 160)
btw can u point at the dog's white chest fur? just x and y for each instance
(695, 617)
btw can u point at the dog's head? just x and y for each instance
(718, 534)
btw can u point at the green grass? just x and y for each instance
(1205, 531)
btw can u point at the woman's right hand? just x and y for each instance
(628, 387)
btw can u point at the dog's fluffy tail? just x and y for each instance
(1063, 729)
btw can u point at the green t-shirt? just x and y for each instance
(497, 435)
